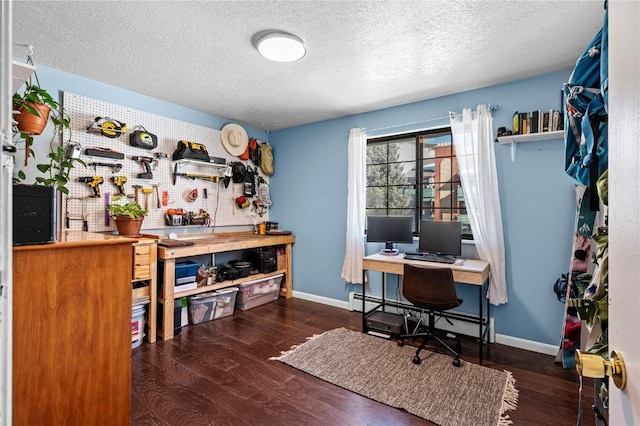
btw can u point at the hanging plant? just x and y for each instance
(35, 108)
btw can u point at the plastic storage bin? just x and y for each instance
(213, 305)
(185, 271)
(258, 292)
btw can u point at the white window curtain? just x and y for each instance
(473, 140)
(354, 252)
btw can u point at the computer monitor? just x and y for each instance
(390, 230)
(440, 237)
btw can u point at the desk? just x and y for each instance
(472, 272)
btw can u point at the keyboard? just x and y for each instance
(428, 257)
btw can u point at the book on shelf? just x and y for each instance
(535, 121)
(545, 121)
(556, 120)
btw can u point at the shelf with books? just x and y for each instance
(530, 137)
(537, 122)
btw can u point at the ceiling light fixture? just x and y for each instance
(279, 46)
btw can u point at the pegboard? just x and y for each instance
(82, 203)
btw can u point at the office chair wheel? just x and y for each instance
(400, 342)
(456, 363)
(416, 359)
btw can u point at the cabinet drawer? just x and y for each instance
(141, 259)
(140, 292)
(141, 249)
(141, 272)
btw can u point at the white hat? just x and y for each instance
(234, 139)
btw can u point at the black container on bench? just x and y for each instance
(264, 259)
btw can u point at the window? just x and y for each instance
(416, 174)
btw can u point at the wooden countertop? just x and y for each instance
(216, 243)
(472, 271)
(67, 239)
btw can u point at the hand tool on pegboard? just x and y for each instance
(119, 182)
(93, 182)
(147, 192)
(146, 163)
(107, 216)
(108, 127)
(115, 167)
(83, 217)
(137, 190)
(156, 188)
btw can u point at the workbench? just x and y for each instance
(210, 244)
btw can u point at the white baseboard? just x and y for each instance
(319, 299)
(529, 345)
(459, 326)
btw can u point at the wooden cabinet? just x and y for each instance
(144, 275)
(217, 243)
(72, 331)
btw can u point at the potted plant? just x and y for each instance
(35, 106)
(128, 217)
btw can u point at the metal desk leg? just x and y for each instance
(480, 335)
(384, 289)
(364, 311)
(488, 320)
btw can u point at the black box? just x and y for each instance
(34, 214)
(385, 322)
(264, 260)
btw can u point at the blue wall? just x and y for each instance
(57, 82)
(310, 191)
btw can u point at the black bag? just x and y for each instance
(143, 139)
(191, 151)
(250, 182)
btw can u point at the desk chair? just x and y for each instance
(431, 289)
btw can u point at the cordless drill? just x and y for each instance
(146, 163)
(93, 182)
(119, 181)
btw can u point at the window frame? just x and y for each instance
(419, 183)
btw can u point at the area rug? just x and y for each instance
(383, 371)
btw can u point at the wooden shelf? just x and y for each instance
(226, 284)
(530, 137)
(199, 163)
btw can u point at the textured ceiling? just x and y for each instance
(361, 55)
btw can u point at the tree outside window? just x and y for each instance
(395, 188)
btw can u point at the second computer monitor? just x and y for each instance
(440, 237)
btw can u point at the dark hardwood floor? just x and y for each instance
(219, 373)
